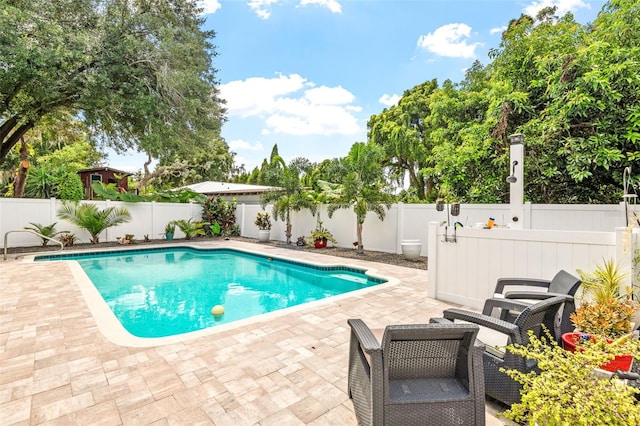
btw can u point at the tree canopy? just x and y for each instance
(574, 92)
(139, 73)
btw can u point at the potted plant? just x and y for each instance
(169, 230)
(605, 313)
(565, 389)
(321, 235)
(263, 222)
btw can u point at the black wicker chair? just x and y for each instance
(496, 333)
(508, 304)
(420, 374)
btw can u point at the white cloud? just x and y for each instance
(239, 144)
(332, 5)
(389, 100)
(497, 30)
(209, 6)
(262, 7)
(449, 40)
(329, 95)
(292, 105)
(563, 6)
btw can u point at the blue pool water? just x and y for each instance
(164, 292)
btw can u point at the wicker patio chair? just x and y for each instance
(496, 333)
(423, 374)
(523, 292)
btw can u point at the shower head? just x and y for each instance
(513, 178)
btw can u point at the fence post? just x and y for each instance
(432, 269)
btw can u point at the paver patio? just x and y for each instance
(287, 368)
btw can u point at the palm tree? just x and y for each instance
(89, 217)
(289, 195)
(47, 232)
(362, 186)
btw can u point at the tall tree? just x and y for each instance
(362, 187)
(405, 136)
(138, 72)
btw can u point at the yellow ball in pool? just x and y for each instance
(217, 310)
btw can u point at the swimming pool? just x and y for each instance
(162, 292)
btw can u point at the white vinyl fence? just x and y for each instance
(402, 221)
(465, 271)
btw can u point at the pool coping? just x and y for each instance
(111, 328)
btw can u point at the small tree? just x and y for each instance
(89, 217)
(289, 196)
(362, 186)
(48, 232)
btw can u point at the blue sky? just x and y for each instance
(308, 74)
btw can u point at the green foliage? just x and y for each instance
(182, 195)
(121, 67)
(320, 233)
(565, 390)
(70, 187)
(604, 282)
(362, 187)
(48, 232)
(94, 220)
(170, 228)
(573, 90)
(610, 318)
(288, 195)
(220, 215)
(190, 228)
(263, 221)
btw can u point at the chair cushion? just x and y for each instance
(494, 340)
(432, 389)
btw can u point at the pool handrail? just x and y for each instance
(6, 235)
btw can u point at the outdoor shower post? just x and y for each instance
(516, 182)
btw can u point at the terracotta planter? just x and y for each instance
(620, 362)
(321, 243)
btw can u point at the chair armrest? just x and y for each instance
(504, 282)
(533, 295)
(504, 304)
(365, 337)
(492, 323)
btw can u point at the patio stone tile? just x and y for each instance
(18, 410)
(337, 416)
(308, 409)
(61, 407)
(193, 417)
(134, 400)
(152, 412)
(51, 395)
(284, 417)
(56, 368)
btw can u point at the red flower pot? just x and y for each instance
(620, 362)
(321, 243)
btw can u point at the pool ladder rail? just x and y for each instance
(6, 235)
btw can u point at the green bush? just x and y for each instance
(565, 390)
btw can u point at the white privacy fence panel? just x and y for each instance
(147, 219)
(402, 221)
(465, 271)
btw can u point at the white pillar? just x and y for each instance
(516, 188)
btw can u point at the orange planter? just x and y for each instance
(620, 362)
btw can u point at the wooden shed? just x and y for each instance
(106, 175)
